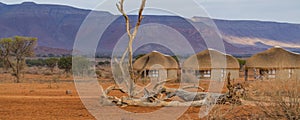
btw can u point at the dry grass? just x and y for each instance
(277, 99)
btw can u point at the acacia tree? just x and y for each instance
(81, 65)
(51, 63)
(13, 52)
(65, 63)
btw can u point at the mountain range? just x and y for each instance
(56, 27)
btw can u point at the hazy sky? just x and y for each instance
(265, 10)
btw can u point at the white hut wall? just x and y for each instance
(218, 74)
(296, 74)
(282, 74)
(234, 73)
(162, 75)
(172, 74)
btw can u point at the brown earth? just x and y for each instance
(41, 99)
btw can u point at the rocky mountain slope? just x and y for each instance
(56, 26)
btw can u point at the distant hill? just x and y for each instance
(42, 51)
(56, 27)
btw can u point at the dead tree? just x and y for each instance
(235, 92)
(154, 97)
(159, 94)
(131, 35)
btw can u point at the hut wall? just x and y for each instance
(282, 74)
(252, 73)
(221, 74)
(172, 74)
(217, 74)
(162, 75)
(235, 74)
(287, 74)
(296, 74)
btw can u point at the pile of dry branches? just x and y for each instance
(161, 95)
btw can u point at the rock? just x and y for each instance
(68, 92)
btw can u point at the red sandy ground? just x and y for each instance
(38, 99)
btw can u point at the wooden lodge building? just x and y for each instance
(274, 63)
(211, 65)
(157, 65)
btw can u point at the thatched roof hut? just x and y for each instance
(274, 58)
(210, 59)
(149, 60)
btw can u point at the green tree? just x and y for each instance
(139, 56)
(104, 63)
(35, 62)
(242, 62)
(51, 63)
(81, 65)
(13, 52)
(1, 63)
(65, 63)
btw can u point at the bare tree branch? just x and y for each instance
(194, 86)
(132, 35)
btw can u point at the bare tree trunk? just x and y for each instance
(131, 35)
(18, 71)
(246, 74)
(17, 78)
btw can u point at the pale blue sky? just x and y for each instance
(265, 10)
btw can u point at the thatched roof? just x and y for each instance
(209, 59)
(149, 60)
(274, 58)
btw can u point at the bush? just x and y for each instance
(65, 63)
(104, 63)
(242, 62)
(51, 63)
(35, 62)
(278, 99)
(81, 66)
(1, 63)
